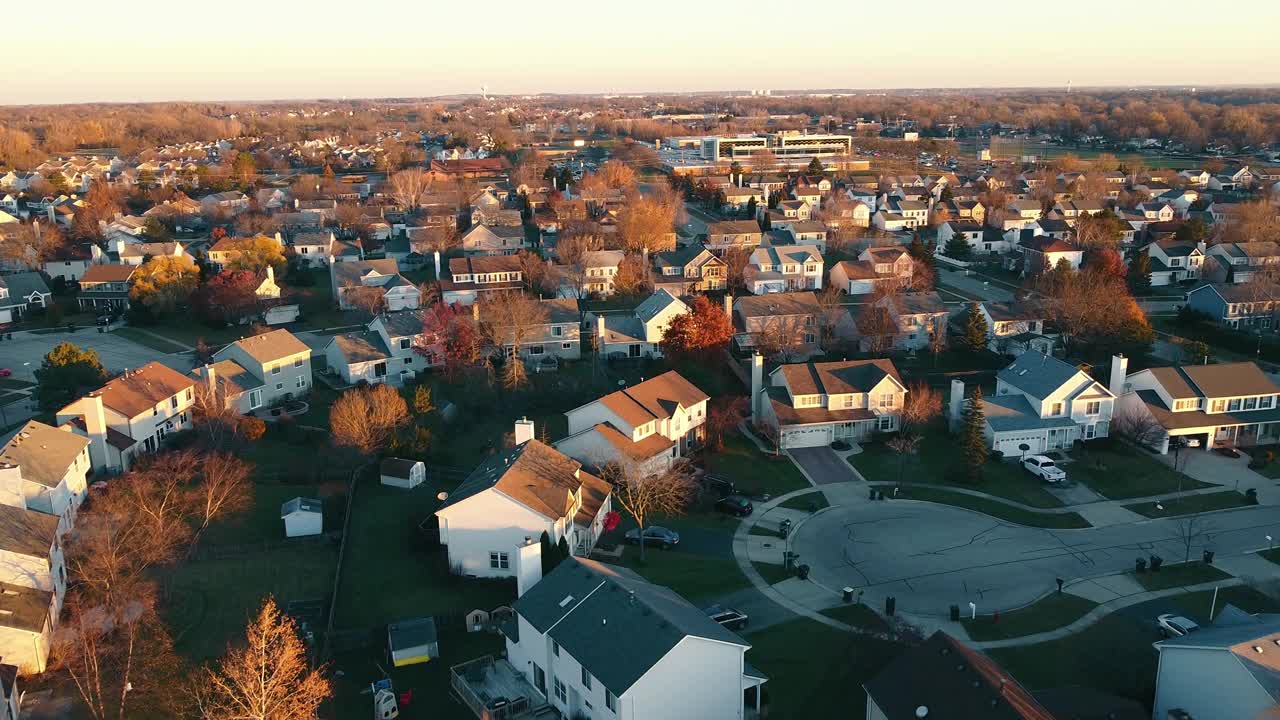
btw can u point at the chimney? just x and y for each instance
(528, 565)
(1119, 371)
(600, 334)
(757, 386)
(956, 403)
(211, 379)
(728, 305)
(437, 254)
(95, 425)
(271, 274)
(523, 431)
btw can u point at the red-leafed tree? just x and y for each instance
(1107, 261)
(227, 297)
(611, 520)
(702, 331)
(449, 334)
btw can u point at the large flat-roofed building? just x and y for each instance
(792, 147)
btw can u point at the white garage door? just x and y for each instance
(1009, 445)
(807, 437)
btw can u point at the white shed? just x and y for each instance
(302, 516)
(403, 473)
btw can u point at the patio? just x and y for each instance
(494, 690)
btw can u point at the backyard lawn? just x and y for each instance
(1048, 613)
(149, 340)
(755, 473)
(1191, 504)
(695, 577)
(938, 462)
(1018, 516)
(816, 671)
(1272, 555)
(1119, 471)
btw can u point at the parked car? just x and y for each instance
(5, 372)
(1044, 468)
(735, 505)
(720, 485)
(1175, 625)
(728, 618)
(1227, 452)
(665, 538)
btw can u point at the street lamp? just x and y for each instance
(1269, 543)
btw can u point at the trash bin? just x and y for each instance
(890, 604)
(847, 594)
(1251, 495)
(1208, 557)
(871, 493)
(789, 560)
(1156, 562)
(802, 572)
(955, 613)
(1140, 565)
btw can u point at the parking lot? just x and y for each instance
(24, 352)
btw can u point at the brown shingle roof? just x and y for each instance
(141, 389)
(537, 476)
(838, 378)
(271, 346)
(654, 398)
(108, 273)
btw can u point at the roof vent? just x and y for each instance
(1257, 649)
(567, 599)
(922, 711)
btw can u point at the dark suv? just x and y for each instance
(735, 505)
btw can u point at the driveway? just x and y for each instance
(932, 556)
(24, 352)
(822, 465)
(972, 285)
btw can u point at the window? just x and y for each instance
(298, 362)
(499, 561)
(1265, 403)
(556, 331)
(566, 346)
(1055, 409)
(611, 701)
(279, 386)
(586, 679)
(885, 422)
(301, 382)
(1092, 407)
(1251, 403)
(536, 350)
(189, 395)
(561, 694)
(173, 402)
(810, 338)
(1185, 405)
(255, 399)
(1219, 406)
(408, 361)
(555, 648)
(405, 344)
(886, 400)
(539, 679)
(1233, 405)
(848, 401)
(275, 369)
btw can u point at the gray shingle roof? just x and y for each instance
(1009, 413)
(1037, 374)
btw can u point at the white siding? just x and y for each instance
(489, 522)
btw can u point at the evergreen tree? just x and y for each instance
(547, 550)
(66, 373)
(973, 442)
(751, 208)
(975, 330)
(958, 248)
(1139, 277)
(815, 167)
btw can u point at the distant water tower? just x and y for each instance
(1068, 87)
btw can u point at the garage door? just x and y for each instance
(1009, 445)
(807, 437)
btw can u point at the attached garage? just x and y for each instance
(807, 436)
(1008, 444)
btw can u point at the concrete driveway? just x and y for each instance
(932, 556)
(973, 285)
(822, 465)
(24, 352)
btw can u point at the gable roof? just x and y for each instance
(654, 398)
(269, 346)
(838, 378)
(1252, 641)
(533, 474)
(1215, 380)
(791, 303)
(654, 304)
(142, 389)
(301, 504)
(1037, 374)
(26, 532)
(43, 452)
(107, 272)
(614, 623)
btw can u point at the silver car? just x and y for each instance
(664, 538)
(1175, 625)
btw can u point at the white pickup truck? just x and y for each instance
(1044, 468)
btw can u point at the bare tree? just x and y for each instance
(408, 187)
(224, 487)
(1189, 531)
(1137, 425)
(921, 406)
(643, 495)
(369, 298)
(904, 444)
(268, 678)
(365, 419)
(508, 319)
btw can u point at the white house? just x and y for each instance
(1014, 328)
(1226, 671)
(874, 267)
(786, 268)
(1040, 402)
(402, 473)
(640, 333)
(32, 575)
(1174, 261)
(516, 494)
(597, 640)
(652, 423)
(302, 517)
(131, 414)
(398, 293)
(54, 469)
(816, 403)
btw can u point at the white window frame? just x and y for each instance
(499, 560)
(254, 404)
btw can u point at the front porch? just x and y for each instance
(1222, 436)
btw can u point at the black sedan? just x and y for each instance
(735, 505)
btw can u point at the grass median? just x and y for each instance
(1048, 613)
(995, 508)
(1191, 504)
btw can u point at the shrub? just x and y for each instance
(252, 429)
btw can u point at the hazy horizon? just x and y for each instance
(159, 52)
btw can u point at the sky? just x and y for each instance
(151, 50)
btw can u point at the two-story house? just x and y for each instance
(33, 577)
(1015, 328)
(131, 414)
(1042, 253)
(225, 251)
(1242, 261)
(651, 424)
(312, 249)
(1174, 261)
(814, 404)
(690, 269)
(1250, 307)
(679, 663)
(21, 293)
(805, 232)
(915, 213)
(737, 199)
(1224, 670)
(1042, 403)
(781, 324)
(470, 277)
(639, 333)
(592, 274)
(900, 321)
(520, 493)
(259, 371)
(494, 240)
(397, 291)
(558, 334)
(54, 469)
(105, 287)
(785, 268)
(1206, 406)
(726, 234)
(875, 267)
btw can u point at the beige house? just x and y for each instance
(259, 372)
(787, 324)
(815, 404)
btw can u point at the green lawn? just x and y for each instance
(816, 671)
(808, 502)
(857, 615)
(1272, 555)
(754, 472)
(1264, 461)
(12, 383)
(695, 577)
(1048, 613)
(1170, 576)
(148, 340)
(1059, 521)
(319, 400)
(938, 463)
(1114, 655)
(1118, 471)
(1191, 504)
(773, 574)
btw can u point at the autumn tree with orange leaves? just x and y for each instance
(699, 333)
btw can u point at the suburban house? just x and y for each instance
(390, 350)
(690, 269)
(105, 287)
(679, 664)
(494, 240)
(1242, 261)
(53, 468)
(471, 276)
(786, 323)
(1015, 328)
(914, 213)
(640, 333)
(226, 250)
(1042, 403)
(784, 268)
(516, 495)
(1206, 406)
(805, 232)
(21, 293)
(816, 403)
(726, 234)
(1042, 253)
(259, 371)
(903, 321)
(131, 414)
(397, 292)
(312, 249)
(70, 261)
(1241, 307)
(651, 424)
(232, 201)
(557, 336)
(737, 199)
(1174, 261)
(592, 274)
(33, 579)
(139, 253)
(1224, 670)
(874, 268)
